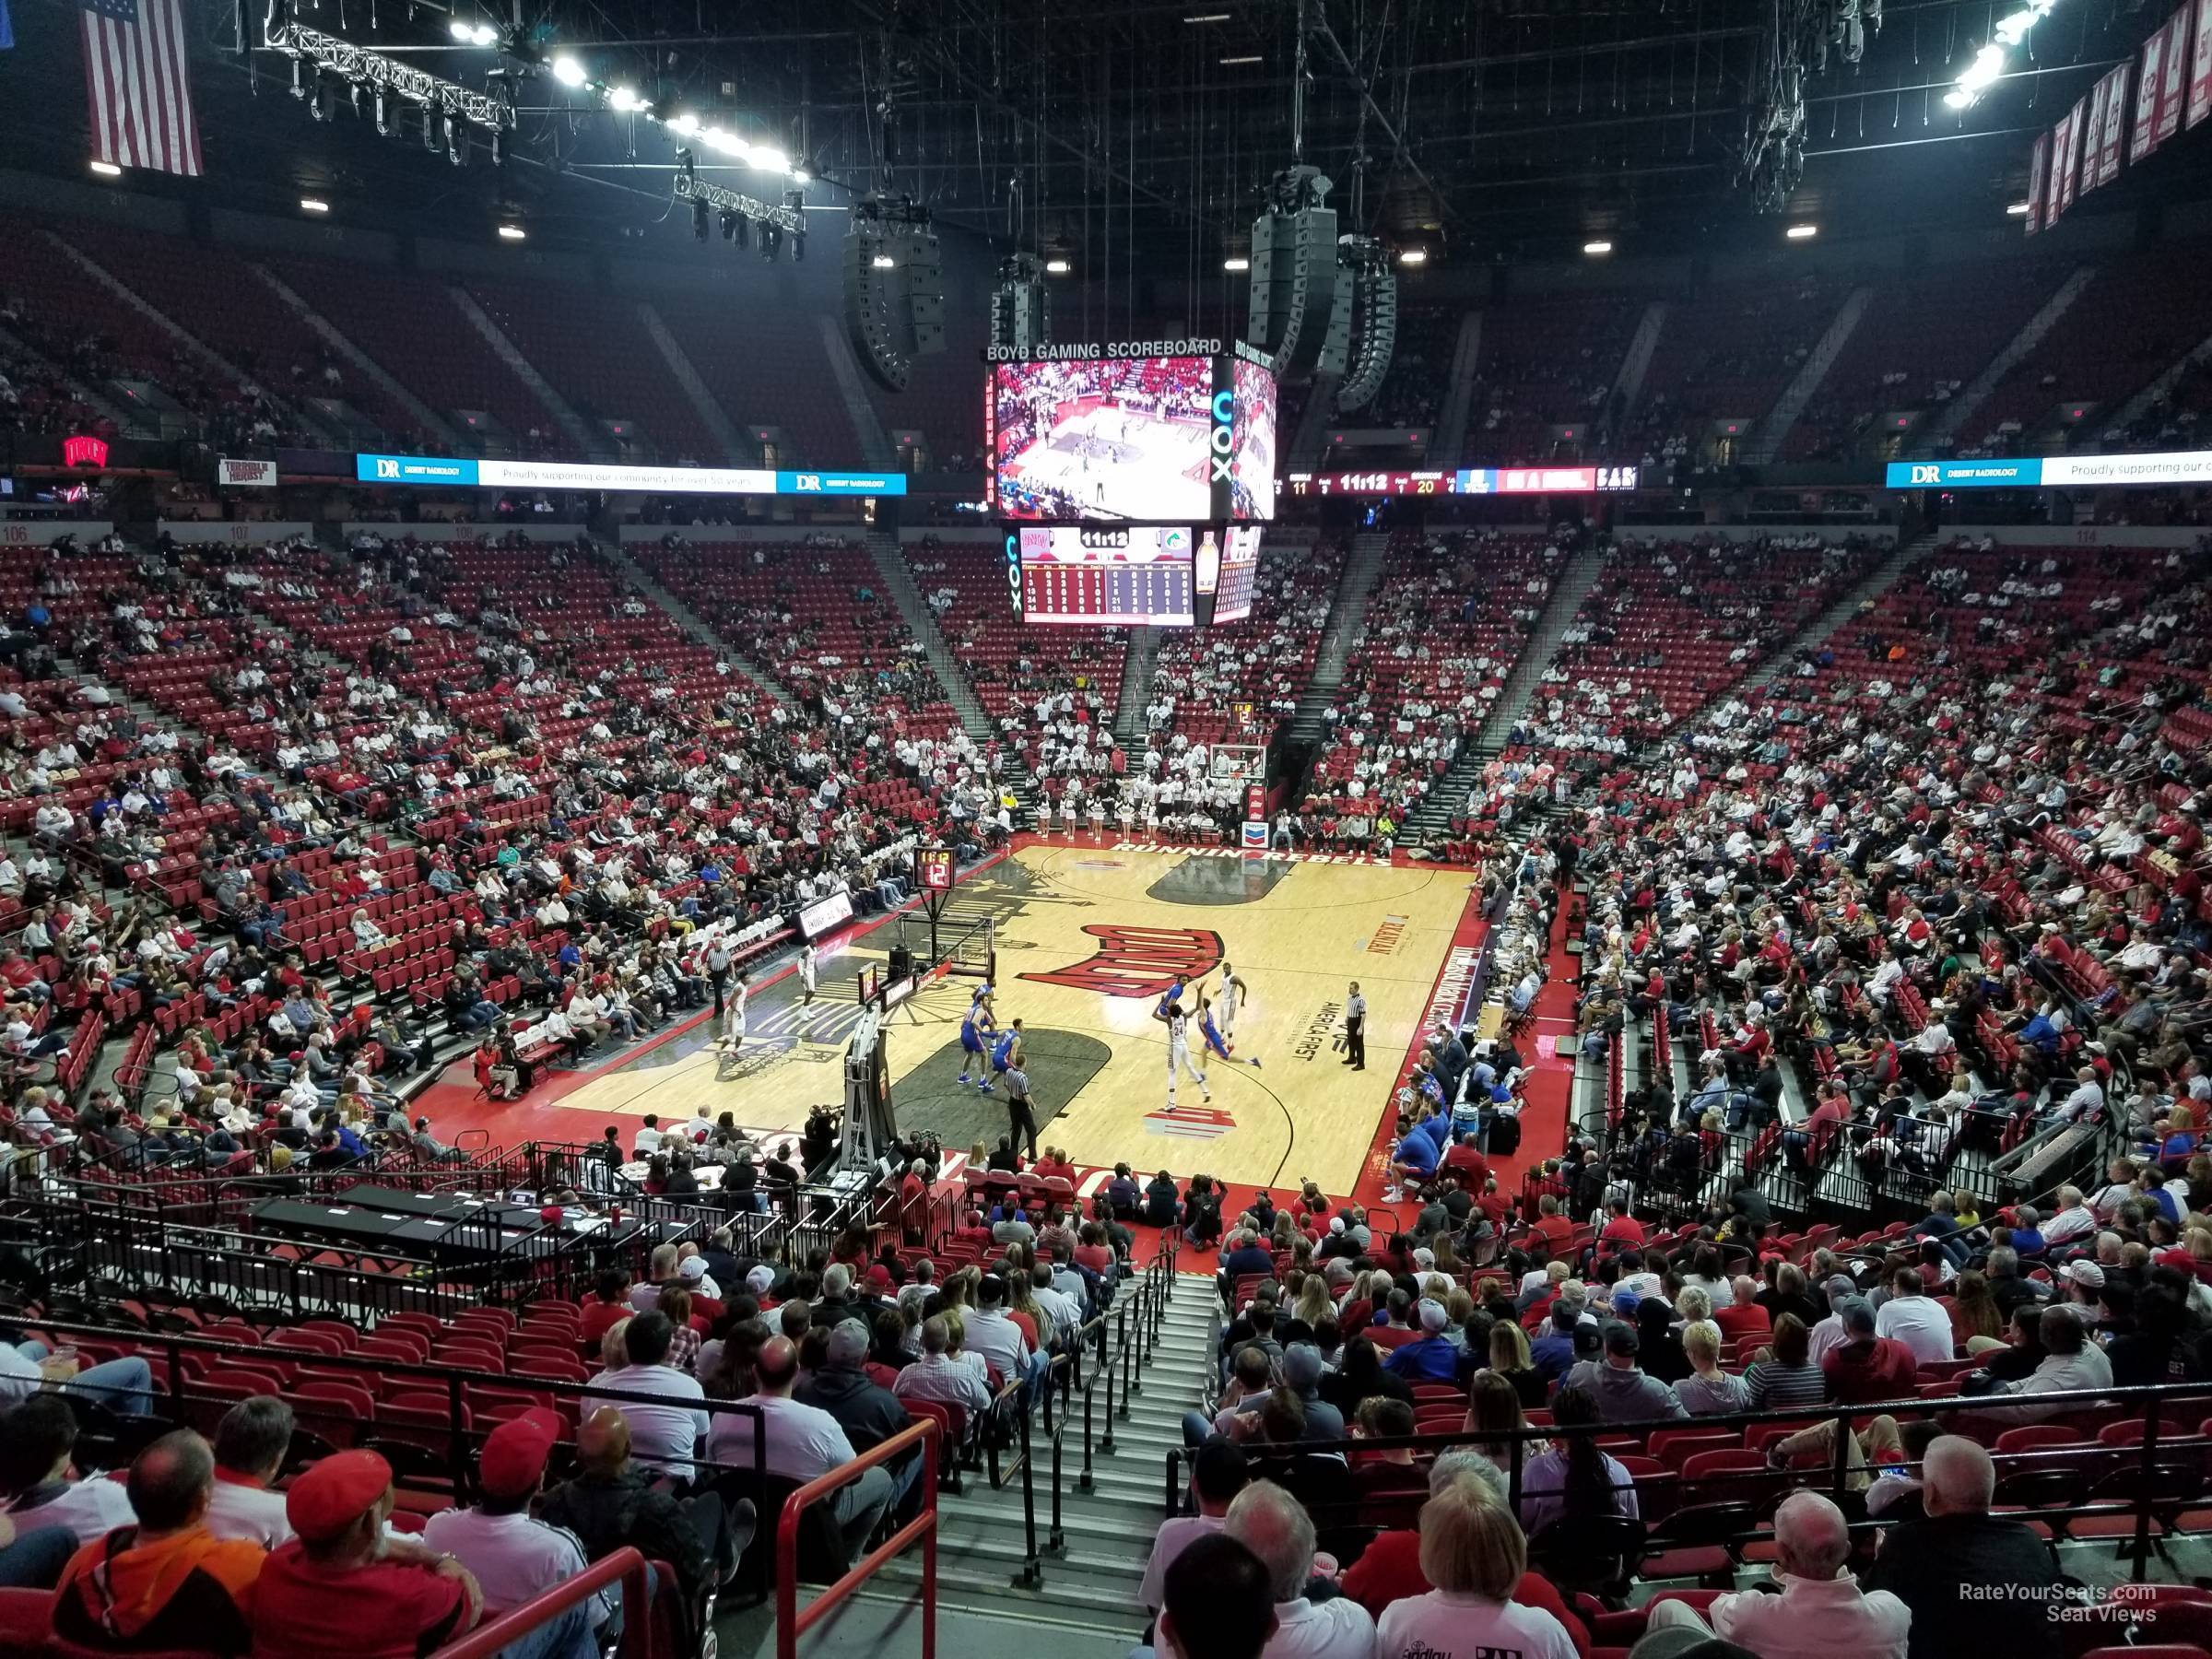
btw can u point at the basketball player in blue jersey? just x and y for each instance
(973, 1024)
(1170, 1001)
(1214, 1040)
(1005, 1053)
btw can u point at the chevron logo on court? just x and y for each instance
(1137, 961)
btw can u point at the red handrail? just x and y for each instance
(626, 1565)
(792, 1621)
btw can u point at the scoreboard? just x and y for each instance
(1133, 576)
(1237, 568)
(1469, 480)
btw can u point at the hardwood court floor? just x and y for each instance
(1087, 936)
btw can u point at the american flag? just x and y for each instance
(139, 85)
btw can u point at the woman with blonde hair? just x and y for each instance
(1707, 1391)
(1694, 1302)
(614, 1347)
(1509, 1359)
(1313, 1304)
(1472, 1551)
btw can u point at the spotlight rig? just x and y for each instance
(739, 213)
(315, 55)
(1772, 161)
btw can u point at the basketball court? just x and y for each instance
(1086, 939)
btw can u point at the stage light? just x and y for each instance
(622, 100)
(769, 159)
(771, 240)
(685, 126)
(310, 205)
(1802, 232)
(567, 71)
(1236, 262)
(883, 262)
(699, 220)
(1595, 248)
(474, 34)
(107, 169)
(1413, 256)
(511, 233)
(738, 229)
(2017, 209)
(799, 175)
(1958, 98)
(1057, 268)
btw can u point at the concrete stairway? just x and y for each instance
(692, 623)
(125, 422)
(1876, 582)
(571, 423)
(1459, 393)
(433, 423)
(899, 583)
(1565, 598)
(1348, 617)
(1775, 430)
(733, 447)
(1089, 1584)
(1945, 430)
(1138, 669)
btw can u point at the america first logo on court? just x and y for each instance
(1137, 961)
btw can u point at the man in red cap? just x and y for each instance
(341, 1589)
(513, 1557)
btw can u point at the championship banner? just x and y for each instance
(2200, 64)
(2039, 170)
(2114, 126)
(2092, 141)
(2163, 57)
(2066, 155)
(2173, 85)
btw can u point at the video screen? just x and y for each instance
(1239, 573)
(1125, 437)
(1108, 577)
(1252, 469)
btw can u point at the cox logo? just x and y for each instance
(1223, 441)
(1014, 568)
(386, 467)
(1927, 475)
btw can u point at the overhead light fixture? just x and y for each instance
(1236, 262)
(1802, 232)
(1246, 57)
(685, 126)
(883, 262)
(474, 34)
(1413, 256)
(699, 224)
(623, 101)
(2017, 209)
(1988, 67)
(769, 159)
(567, 71)
(799, 175)
(314, 205)
(511, 233)
(107, 169)
(1208, 17)
(1595, 248)
(1057, 268)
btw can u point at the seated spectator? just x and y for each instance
(123, 1386)
(1472, 1551)
(251, 1443)
(1707, 1391)
(802, 1443)
(514, 1557)
(2070, 1362)
(1821, 1610)
(1971, 1579)
(1572, 1478)
(1217, 1603)
(1865, 1369)
(943, 1375)
(614, 1502)
(1217, 1474)
(664, 1431)
(38, 1439)
(167, 1581)
(1744, 1317)
(1624, 1392)
(1273, 1525)
(342, 1588)
(869, 1413)
(1920, 1322)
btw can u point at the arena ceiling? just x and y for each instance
(1137, 137)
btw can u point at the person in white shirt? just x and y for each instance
(800, 1442)
(1474, 1552)
(1919, 1322)
(514, 1557)
(990, 1333)
(941, 1375)
(2073, 1221)
(664, 1431)
(1217, 1474)
(1273, 1525)
(1821, 1610)
(35, 1454)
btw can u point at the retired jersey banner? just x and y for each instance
(2162, 67)
(2112, 131)
(2038, 169)
(2200, 64)
(2092, 131)
(2173, 85)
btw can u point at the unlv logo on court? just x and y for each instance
(1138, 962)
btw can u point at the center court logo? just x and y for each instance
(1137, 961)
(1191, 1123)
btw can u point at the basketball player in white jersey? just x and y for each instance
(734, 1033)
(806, 975)
(1179, 1054)
(1226, 1000)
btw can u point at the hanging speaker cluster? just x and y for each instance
(1021, 305)
(1294, 281)
(894, 288)
(1370, 313)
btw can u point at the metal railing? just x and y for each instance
(624, 1566)
(2147, 1480)
(792, 1620)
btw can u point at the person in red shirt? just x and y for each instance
(1621, 1230)
(1389, 1569)
(1551, 1227)
(1744, 1317)
(609, 1307)
(1465, 1159)
(1865, 1369)
(340, 1589)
